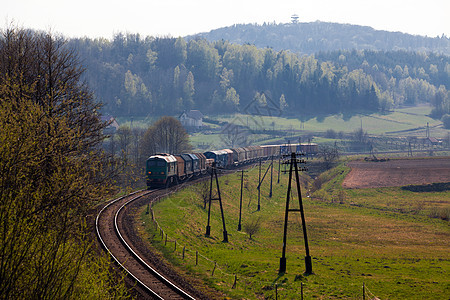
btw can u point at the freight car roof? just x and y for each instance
(185, 157)
(193, 156)
(217, 152)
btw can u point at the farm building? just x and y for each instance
(112, 124)
(431, 141)
(192, 119)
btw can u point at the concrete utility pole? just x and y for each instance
(294, 169)
(208, 227)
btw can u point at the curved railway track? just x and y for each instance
(111, 231)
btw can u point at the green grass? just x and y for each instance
(381, 237)
(375, 123)
(410, 121)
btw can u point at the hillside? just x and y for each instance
(310, 38)
(392, 240)
(135, 76)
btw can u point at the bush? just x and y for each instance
(446, 120)
(442, 213)
(322, 195)
(252, 226)
(331, 134)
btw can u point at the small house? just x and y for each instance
(192, 119)
(112, 124)
(431, 141)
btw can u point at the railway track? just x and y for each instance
(111, 229)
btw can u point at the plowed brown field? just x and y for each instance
(367, 174)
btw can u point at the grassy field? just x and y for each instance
(376, 123)
(383, 238)
(401, 122)
(410, 121)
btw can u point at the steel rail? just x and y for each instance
(159, 276)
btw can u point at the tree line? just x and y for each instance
(313, 37)
(136, 76)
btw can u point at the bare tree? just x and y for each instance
(253, 226)
(235, 135)
(329, 155)
(166, 135)
(202, 190)
(124, 136)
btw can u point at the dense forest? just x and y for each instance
(310, 38)
(135, 76)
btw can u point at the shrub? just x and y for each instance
(446, 120)
(331, 134)
(442, 213)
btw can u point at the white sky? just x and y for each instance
(100, 18)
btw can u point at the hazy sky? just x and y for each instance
(100, 18)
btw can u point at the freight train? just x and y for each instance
(165, 169)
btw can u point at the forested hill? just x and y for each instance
(136, 76)
(310, 38)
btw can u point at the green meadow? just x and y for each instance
(411, 121)
(374, 123)
(388, 239)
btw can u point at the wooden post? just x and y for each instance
(208, 227)
(301, 290)
(271, 178)
(184, 249)
(283, 251)
(196, 257)
(215, 264)
(364, 292)
(279, 168)
(240, 202)
(294, 169)
(259, 183)
(165, 242)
